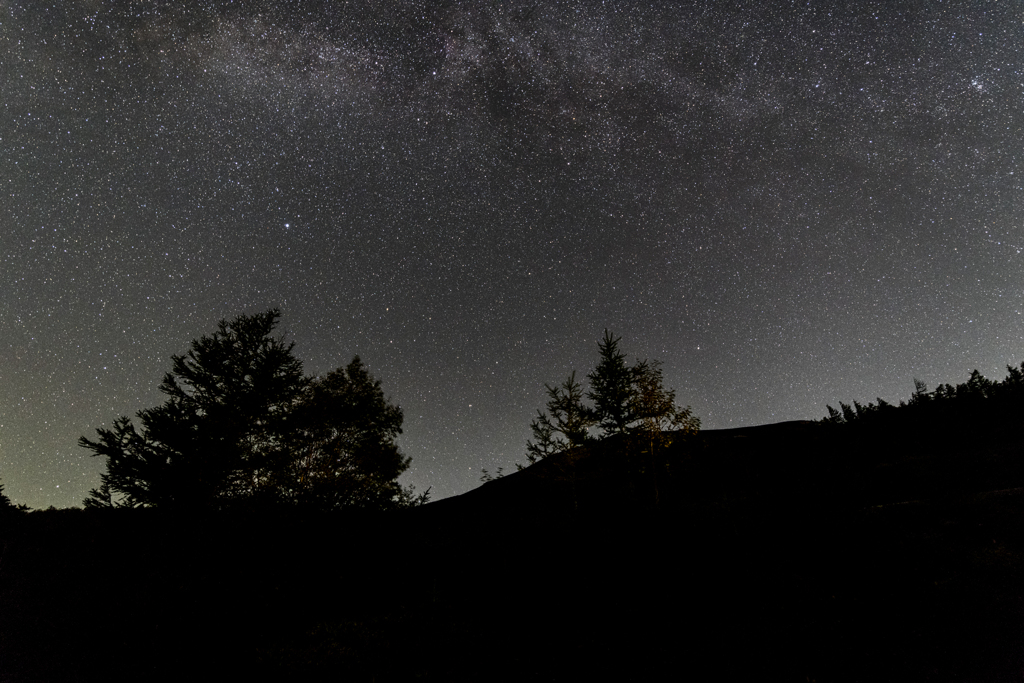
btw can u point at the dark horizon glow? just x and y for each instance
(789, 204)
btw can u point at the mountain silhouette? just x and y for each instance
(792, 551)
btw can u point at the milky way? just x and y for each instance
(789, 204)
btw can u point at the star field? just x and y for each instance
(788, 203)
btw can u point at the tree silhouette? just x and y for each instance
(242, 424)
(566, 425)
(978, 394)
(654, 407)
(631, 401)
(612, 387)
(343, 444)
(7, 507)
(630, 404)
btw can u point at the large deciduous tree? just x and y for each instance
(242, 424)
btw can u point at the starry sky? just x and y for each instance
(787, 203)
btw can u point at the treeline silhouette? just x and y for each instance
(974, 398)
(7, 507)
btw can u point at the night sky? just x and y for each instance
(789, 204)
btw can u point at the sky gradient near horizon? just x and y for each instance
(787, 203)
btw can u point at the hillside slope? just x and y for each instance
(797, 551)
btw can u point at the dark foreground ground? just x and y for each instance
(787, 552)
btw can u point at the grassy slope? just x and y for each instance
(793, 551)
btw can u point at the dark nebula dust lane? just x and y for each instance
(788, 203)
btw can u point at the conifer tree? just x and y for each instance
(566, 425)
(612, 387)
(630, 403)
(243, 425)
(627, 400)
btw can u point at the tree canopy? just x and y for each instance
(343, 452)
(566, 424)
(629, 400)
(242, 425)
